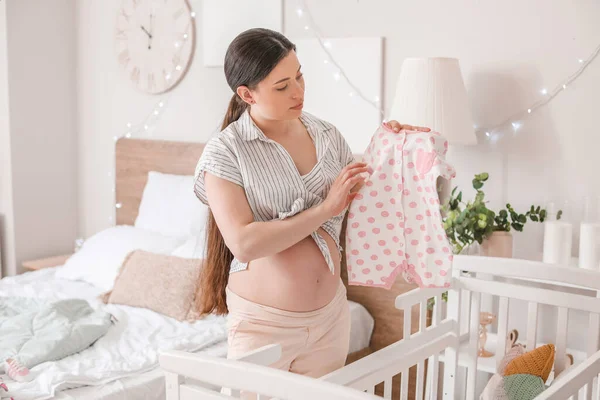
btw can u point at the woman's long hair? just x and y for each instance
(251, 56)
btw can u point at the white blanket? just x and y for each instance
(129, 347)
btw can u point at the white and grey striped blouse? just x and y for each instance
(244, 155)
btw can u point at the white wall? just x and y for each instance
(508, 51)
(6, 213)
(39, 187)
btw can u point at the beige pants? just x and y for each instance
(313, 343)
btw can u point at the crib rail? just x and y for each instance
(576, 383)
(210, 373)
(414, 349)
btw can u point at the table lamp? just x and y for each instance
(430, 92)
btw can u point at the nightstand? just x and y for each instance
(45, 262)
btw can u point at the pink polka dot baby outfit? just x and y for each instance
(394, 223)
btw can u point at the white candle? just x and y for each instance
(589, 249)
(558, 240)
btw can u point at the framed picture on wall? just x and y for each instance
(223, 20)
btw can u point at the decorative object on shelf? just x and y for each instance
(155, 42)
(558, 238)
(511, 339)
(485, 319)
(466, 223)
(520, 374)
(589, 235)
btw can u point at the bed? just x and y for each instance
(371, 327)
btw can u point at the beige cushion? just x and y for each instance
(161, 283)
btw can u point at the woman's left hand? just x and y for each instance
(397, 127)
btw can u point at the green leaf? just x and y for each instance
(559, 214)
(477, 184)
(534, 218)
(482, 177)
(522, 219)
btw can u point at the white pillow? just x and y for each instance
(169, 206)
(99, 259)
(193, 247)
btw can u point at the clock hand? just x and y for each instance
(147, 33)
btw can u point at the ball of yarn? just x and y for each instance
(522, 386)
(513, 353)
(537, 362)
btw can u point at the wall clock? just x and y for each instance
(155, 42)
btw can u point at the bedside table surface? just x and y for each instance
(46, 262)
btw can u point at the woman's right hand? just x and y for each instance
(339, 196)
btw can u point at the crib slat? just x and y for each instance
(404, 384)
(421, 364)
(451, 354)
(172, 382)
(591, 390)
(473, 345)
(532, 320)
(588, 390)
(561, 340)
(434, 361)
(465, 311)
(502, 329)
(593, 334)
(387, 388)
(406, 336)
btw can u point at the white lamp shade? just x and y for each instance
(431, 92)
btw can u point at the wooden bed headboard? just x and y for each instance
(136, 157)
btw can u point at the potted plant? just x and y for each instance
(470, 222)
(467, 223)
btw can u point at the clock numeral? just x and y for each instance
(124, 57)
(135, 75)
(167, 76)
(121, 34)
(124, 15)
(151, 83)
(178, 13)
(176, 60)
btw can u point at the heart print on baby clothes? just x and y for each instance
(394, 223)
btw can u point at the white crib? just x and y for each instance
(445, 352)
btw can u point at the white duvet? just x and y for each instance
(130, 346)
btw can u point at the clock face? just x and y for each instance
(154, 42)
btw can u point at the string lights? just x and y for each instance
(492, 133)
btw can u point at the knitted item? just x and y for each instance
(490, 389)
(499, 393)
(537, 362)
(513, 353)
(522, 386)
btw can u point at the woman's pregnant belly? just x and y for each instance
(296, 279)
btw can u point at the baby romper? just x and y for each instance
(394, 223)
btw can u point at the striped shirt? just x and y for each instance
(274, 187)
